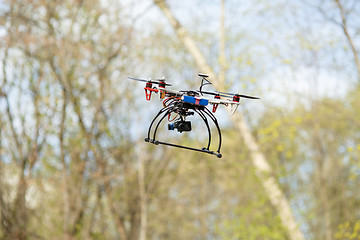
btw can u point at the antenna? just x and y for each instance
(204, 81)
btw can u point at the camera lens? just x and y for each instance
(182, 126)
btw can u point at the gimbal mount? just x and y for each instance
(183, 110)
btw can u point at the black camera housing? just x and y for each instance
(181, 126)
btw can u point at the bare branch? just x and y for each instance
(344, 27)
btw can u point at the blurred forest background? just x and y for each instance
(73, 161)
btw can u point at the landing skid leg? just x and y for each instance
(204, 150)
(203, 113)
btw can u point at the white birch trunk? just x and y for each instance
(262, 168)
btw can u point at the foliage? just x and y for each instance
(73, 164)
(346, 231)
(315, 150)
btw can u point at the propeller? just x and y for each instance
(190, 92)
(239, 95)
(225, 94)
(214, 93)
(155, 81)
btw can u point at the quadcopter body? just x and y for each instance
(187, 103)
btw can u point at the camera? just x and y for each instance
(181, 126)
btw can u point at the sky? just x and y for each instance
(276, 24)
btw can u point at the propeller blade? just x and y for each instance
(246, 96)
(166, 84)
(226, 93)
(239, 95)
(155, 81)
(190, 92)
(139, 79)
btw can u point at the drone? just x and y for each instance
(184, 104)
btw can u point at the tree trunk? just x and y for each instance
(222, 56)
(142, 192)
(262, 168)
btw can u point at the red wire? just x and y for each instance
(177, 114)
(165, 102)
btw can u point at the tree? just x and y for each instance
(71, 144)
(263, 169)
(316, 161)
(343, 14)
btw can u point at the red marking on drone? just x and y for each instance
(149, 90)
(215, 106)
(197, 100)
(236, 98)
